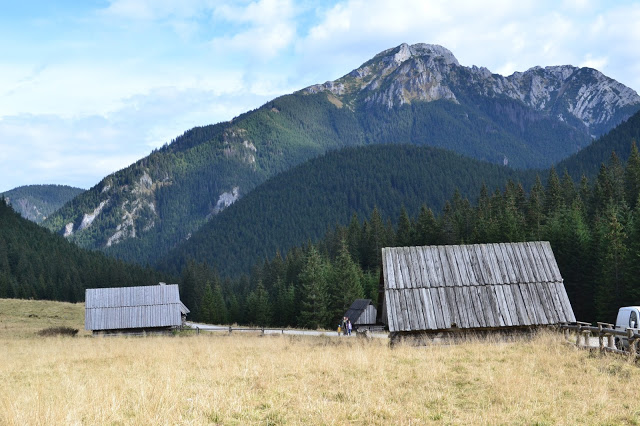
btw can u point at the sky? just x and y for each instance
(89, 87)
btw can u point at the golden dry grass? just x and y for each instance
(24, 318)
(248, 379)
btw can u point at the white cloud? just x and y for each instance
(270, 28)
(108, 87)
(598, 63)
(81, 150)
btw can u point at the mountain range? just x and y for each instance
(37, 202)
(416, 95)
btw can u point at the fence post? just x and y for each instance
(600, 337)
(584, 333)
(611, 343)
(633, 343)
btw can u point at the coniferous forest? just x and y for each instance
(37, 264)
(593, 228)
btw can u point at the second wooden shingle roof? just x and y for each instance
(473, 286)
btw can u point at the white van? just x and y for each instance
(628, 317)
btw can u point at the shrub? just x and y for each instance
(58, 331)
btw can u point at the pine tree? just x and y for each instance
(258, 307)
(206, 306)
(345, 284)
(375, 239)
(405, 235)
(632, 176)
(313, 287)
(284, 306)
(511, 219)
(218, 310)
(535, 213)
(613, 252)
(354, 236)
(427, 228)
(553, 198)
(617, 174)
(568, 189)
(631, 289)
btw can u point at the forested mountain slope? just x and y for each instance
(37, 202)
(594, 231)
(410, 94)
(34, 263)
(588, 161)
(301, 204)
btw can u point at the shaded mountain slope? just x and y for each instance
(588, 161)
(302, 203)
(34, 263)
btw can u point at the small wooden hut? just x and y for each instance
(134, 310)
(362, 313)
(471, 287)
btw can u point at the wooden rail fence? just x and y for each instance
(604, 331)
(230, 330)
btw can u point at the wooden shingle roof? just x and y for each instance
(357, 308)
(133, 307)
(473, 286)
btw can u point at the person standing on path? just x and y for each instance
(349, 327)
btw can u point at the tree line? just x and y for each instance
(593, 228)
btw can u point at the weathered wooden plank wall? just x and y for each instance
(133, 307)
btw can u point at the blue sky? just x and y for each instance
(89, 87)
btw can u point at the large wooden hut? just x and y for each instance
(362, 313)
(471, 287)
(144, 309)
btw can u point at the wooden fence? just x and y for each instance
(604, 331)
(368, 332)
(230, 330)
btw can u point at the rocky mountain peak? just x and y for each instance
(584, 98)
(401, 53)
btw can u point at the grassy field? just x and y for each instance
(220, 379)
(24, 318)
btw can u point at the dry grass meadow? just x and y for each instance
(275, 379)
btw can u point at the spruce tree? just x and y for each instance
(258, 306)
(535, 213)
(405, 235)
(206, 306)
(218, 310)
(632, 176)
(345, 284)
(612, 256)
(427, 228)
(313, 288)
(553, 198)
